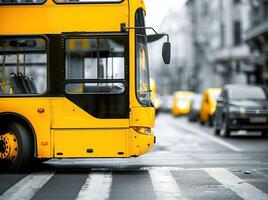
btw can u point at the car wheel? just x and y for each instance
(217, 131)
(225, 129)
(264, 133)
(210, 121)
(201, 122)
(190, 118)
(16, 147)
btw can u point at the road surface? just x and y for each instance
(187, 162)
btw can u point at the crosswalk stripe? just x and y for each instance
(27, 187)
(165, 185)
(237, 185)
(96, 187)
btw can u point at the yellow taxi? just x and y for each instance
(182, 103)
(208, 107)
(154, 97)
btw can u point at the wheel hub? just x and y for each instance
(8, 146)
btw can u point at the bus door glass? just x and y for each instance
(95, 74)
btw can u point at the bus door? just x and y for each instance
(96, 91)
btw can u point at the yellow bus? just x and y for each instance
(154, 97)
(74, 80)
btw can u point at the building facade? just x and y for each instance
(218, 31)
(173, 77)
(257, 39)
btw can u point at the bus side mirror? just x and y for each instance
(166, 51)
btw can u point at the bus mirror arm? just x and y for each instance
(166, 48)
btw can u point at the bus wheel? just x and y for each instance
(16, 147)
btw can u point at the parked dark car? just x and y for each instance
(195, 108)
(241, 107)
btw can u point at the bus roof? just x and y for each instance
(52, 18)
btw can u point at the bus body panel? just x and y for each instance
(142, 116)
(64, 127)
(141, 143)
(55, 19)
(74, 143)
(68, 115)
(40, 121)
(63, 123)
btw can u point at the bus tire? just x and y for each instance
(23, 147)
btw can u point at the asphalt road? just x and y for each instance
(188, 162)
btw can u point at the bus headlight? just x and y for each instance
(142, 130)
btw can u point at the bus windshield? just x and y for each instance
(142, 65)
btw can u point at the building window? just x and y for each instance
(265, 9)
(235, 2)
(205, 9)
(222, 35)
(255, 12)
(237, 33)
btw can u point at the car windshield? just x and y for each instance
(247, 93)
(215, 95)
(185, 98)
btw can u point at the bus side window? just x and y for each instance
(23, 65)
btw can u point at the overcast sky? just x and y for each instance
(157, 9)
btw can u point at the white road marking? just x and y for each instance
(165, 186)
(96, 187)
(212, 138)
(240, 187)
(27, 187)
(235, 162)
